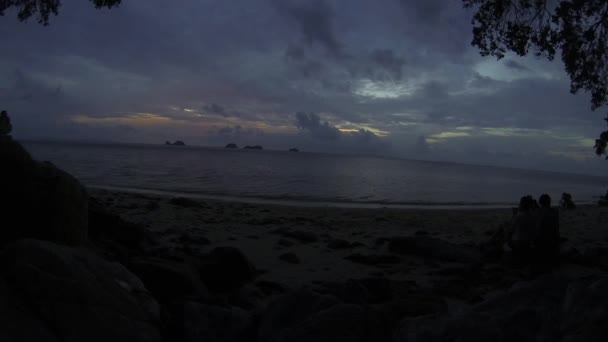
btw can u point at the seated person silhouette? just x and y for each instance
(521, 236)
(547, 240)
(567, 202)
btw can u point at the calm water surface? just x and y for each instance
(306, 176)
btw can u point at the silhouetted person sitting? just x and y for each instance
(5, 123)
(547, 240)
(603, 202)
(521, 237)
(567, 202)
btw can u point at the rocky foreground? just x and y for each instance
(95, 265)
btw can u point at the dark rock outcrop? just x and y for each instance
(225, 269)
(232, 145)
(75, 295)
(294, 150)
(38, 200)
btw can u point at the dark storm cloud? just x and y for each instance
(389, 61)
(237, 131)
(311, 123)
(215, 108)
(315, 21)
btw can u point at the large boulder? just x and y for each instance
(78, 296)
(168, 280)
(306, 316)
(194, 322)
(18, 323)
(38, 199)
(105, 225)
(225, 269)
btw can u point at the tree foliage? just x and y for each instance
(574, 30)
(43, 9)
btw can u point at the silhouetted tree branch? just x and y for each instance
(576, 30)
(42, 9)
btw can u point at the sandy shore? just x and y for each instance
(324, 239)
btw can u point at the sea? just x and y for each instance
(304, 178)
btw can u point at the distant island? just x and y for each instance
(232, 145)
(293, 149)
(176, 143)
(255, 147)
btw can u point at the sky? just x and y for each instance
(395, 78)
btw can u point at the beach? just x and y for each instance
(330, 244)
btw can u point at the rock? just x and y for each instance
(373, 259)
(299, 235)
(232, 145)
(429, 247)
(290, 258)
(5, 124)
(39, 200)
(194, 322)
(255, 147)
(225, 269)
(187, 238)
(528, 311)
(349, 292)
(285, 243)
(339, 244)
(79, 296)
(476, 327)
(176, 143)
(304, 315)
(378, 288)
(269, 288)
(18, 322)
(104, 225)
(294, 150)
(168, 280)
(185, 202)
(584, 308)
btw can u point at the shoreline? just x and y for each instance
(306, 203)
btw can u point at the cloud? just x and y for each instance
(315, 21)
(215, 108)
(385, 77)
(511, 64)
(389, 62)
(312, 124)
